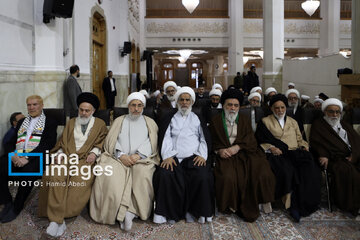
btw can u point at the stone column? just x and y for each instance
(273, 27)
(236, 49)
(355, 36)
(210, 73)
(219, 70)
(329, 27)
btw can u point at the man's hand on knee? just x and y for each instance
(199, 161)
(168, 163)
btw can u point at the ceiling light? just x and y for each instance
(310, 6)
(190, 5)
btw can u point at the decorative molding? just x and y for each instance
(200, 27)
(303, 27)
(134, 14)
(345, 27)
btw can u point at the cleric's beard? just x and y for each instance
(231, 115)
(83, 120)
(332, 121)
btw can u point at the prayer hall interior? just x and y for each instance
(146, 43)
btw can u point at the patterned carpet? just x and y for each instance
(277, 225)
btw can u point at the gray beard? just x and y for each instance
(184, 111)
(231, 116)
(332, 121)
(293, 105)
(171, 98)
(134, 117)
(83, 120)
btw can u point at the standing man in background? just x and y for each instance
(109, 89)
(72, 90)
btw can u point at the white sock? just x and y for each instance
(52, 229)
(61, 229)
(128, 220)
(209, 219)
(159, 219)
(201, 220)
(189, 218)
(122, 225)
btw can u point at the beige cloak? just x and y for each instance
(128, 188)
(65, 196)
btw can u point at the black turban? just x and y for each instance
(279, 97)
(232, 93)
(89, 98)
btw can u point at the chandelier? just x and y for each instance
(190, 5)
(310, 6)
(184, 55)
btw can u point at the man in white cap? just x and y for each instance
(255, 101)
(305, 102)
(131, 150)
(293, 97)
(317, 103)
(215, 95)
(183, 184)
(337, 147)
(291, 85)
(256, 89)
(83, 136)
(168, 100)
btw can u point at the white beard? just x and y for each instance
(171, 98)
(279, 117)
(184, 111)
(134, 117)
(293, 105)
(231, 116)
(83, 120)
(332, 121)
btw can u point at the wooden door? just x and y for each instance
(98, 57)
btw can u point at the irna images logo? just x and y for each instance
(40, 173)
(61, 165)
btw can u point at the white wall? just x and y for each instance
(16, 38)
(315, 75)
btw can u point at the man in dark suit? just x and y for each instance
(109, 89)
(34, 134)
(72, 90)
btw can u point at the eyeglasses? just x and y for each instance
(293, 98)
(337, 112)
(170, 91)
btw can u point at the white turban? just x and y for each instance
(291, 84)
(317, 96)
(169, 84)
(255, 94)
(217, 85)
(215, 92)
(188, 90)
(305, 97)
(156, 93)
(254, 89)
(178, 87)
(145, 93)
(318, 100)
(331, 101)
(269, 90)
(136, 96)
(292, 91)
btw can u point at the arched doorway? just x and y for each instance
(98, 56)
